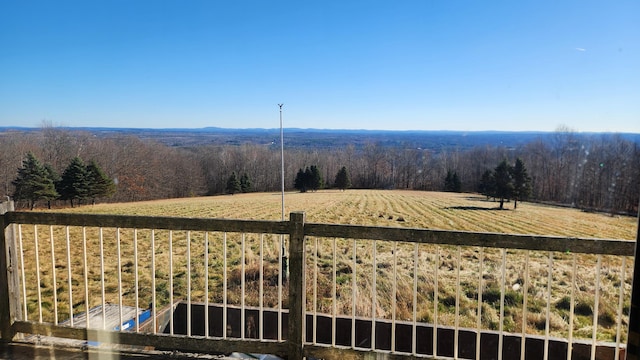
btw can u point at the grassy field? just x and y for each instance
(415, 209)
(432, 210)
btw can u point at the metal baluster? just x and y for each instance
(261, 314)
(335, 297)
(119, 277)
(206, 285)
(374, 294)
(25, 313)
(572, 306)
(620, 306)
(53, 274)
(435, 302)
(37, 255)
(595, 308)
(135, 266)
(503, 271)
(479, 311)
(189, 283)
(69, 284)
(104, 313)
(87, 303)
(525, 301)
(153, 281)
(242, 287)
(548, 311)
(394, 296)
(171, 329)
(354, 284)
(457, 319)
(224, 287)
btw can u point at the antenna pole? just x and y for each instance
(284, 257)
(282, 161)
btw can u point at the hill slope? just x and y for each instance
(434, 210)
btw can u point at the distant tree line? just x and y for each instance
(600, 172)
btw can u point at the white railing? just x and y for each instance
(350, 290)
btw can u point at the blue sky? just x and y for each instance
(396, 65)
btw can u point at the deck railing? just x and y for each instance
(295, 289)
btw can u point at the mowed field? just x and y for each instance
(463, 273)
(431, 210)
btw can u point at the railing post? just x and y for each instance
(633, 340)
(9, 293)
(297, 287)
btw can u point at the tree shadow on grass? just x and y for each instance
(473, 208)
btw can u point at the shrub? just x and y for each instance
(564, 303)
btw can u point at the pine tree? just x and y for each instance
(74, 184)
(521, 182)
(233, 184)
(503, 184)
(343, 181)
(452, 182)
(34, 182)
(300, 182)
(55, 177)
(100, 185)
(245, 183)
(486, 186)
(315, 178)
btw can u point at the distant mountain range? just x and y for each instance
(329, 138)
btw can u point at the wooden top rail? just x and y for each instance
(465, 238)
(147, 222)
(424, 236)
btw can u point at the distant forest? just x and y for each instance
(597, 172)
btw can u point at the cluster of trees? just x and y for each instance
(506, 182)
(79, 182)
(598, 172)
(452, 182)
(309, 179)
(235, 185)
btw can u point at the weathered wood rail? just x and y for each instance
(296, 344)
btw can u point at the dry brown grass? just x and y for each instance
(366, 207)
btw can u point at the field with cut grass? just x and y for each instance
(433, 210)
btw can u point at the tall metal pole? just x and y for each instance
(284, 257)
(282, 160)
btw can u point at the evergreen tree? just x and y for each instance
(74, 183)
(521, 182)
(503, 183)
(233, 184)
(55, 177)
(456, 185)
(486, 186)
(315, 178)
(447, 180)
(452, 182)
(308, 175)
(245, 183)
(300, 182)
(33, 182)
(343, 181)
(100, 185)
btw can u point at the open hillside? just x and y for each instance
(432, 210)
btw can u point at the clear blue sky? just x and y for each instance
(398, 65)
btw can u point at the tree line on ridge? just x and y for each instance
(600, 172)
